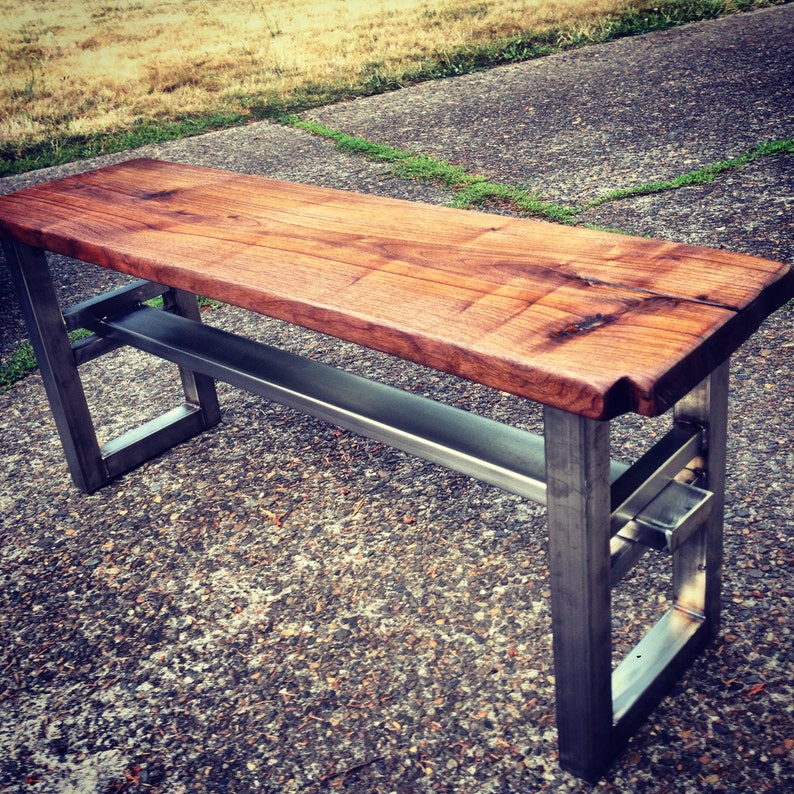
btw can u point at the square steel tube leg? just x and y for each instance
(697, 564)
(30, 274)
(578, 505)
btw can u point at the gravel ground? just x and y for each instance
(280, 606)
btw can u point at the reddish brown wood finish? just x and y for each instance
(591, 322)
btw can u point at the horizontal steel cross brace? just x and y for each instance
(496, 453)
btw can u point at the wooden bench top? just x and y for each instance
(591, 322)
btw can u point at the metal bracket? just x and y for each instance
(654, 505)
(670, 519)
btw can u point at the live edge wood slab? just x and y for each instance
(594, 323)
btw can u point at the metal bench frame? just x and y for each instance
(602, 516)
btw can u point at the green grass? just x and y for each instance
(649, 17)
(22, 361)
(70, 148)
(473, 191)
(16, 366)
(701, 176)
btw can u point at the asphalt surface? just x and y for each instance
(277, 606)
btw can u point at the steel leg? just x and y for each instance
(578, 503)
(33, 283)
(597, 712)
(199, 389)
(697, 565)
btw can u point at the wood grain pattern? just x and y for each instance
(595, 323)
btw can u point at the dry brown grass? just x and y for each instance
(82, 66)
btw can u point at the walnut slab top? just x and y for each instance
(591, 322)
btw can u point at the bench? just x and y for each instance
(590, 324)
